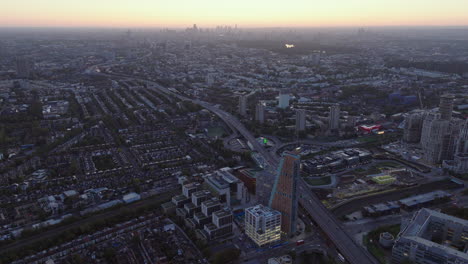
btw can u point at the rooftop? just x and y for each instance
(421, 229)
(260, 210)
(222, 213)
(423, 198)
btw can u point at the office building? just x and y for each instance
(221, 225)
(334, 117)
(260, 113)
(432, 237)
(201, 212)
(200, 196)
(263, 225)
(180, 200)
(226, 187)
(243, 105)
(446, 106)
(300, 120)
(188, 189)
(284, 194)
(210, 206)
(283, 100)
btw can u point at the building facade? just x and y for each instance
(334, 117)
(432, 238)
(459, 164)
(283, 100)
(446, 106)
(300, 120)
(263, 225)
(413, 127)
(284, 197)
(260, 113)
(243, 105)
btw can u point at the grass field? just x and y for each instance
(371, 241)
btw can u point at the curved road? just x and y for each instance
(352, 252)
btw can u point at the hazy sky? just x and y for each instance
(245, 13)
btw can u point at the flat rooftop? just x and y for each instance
(421, 227)
(222, 213)
(423, 198)
(260, 210)
(210, 203)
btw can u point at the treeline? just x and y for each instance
(361, 90)
(300, 47)
(456, 67)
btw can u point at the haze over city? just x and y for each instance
(234, 132)
(244, 13)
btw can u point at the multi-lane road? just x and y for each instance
(352, 252)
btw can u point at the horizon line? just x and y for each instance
(228, 25)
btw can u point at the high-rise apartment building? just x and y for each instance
(413, 126)
(263, 225)
(446, 106)
(300, 120)
(284, 197)
(283, 100)
(260, 113)
(334, 117)
(243, 105)
(434, 138)
(439, 133)
(459, 164)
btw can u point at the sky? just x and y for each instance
(244, 13)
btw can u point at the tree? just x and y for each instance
(226, 256)
(35, 110)
(109, 254)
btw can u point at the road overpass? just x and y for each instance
(348, 247)
(351, 251)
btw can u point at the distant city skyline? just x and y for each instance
(210, 13)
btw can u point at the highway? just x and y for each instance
(347, 246)
(352, 252)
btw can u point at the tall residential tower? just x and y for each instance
(284, 196)
(243, 105)
(300, 120)
(260, 113)
(334, 117)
